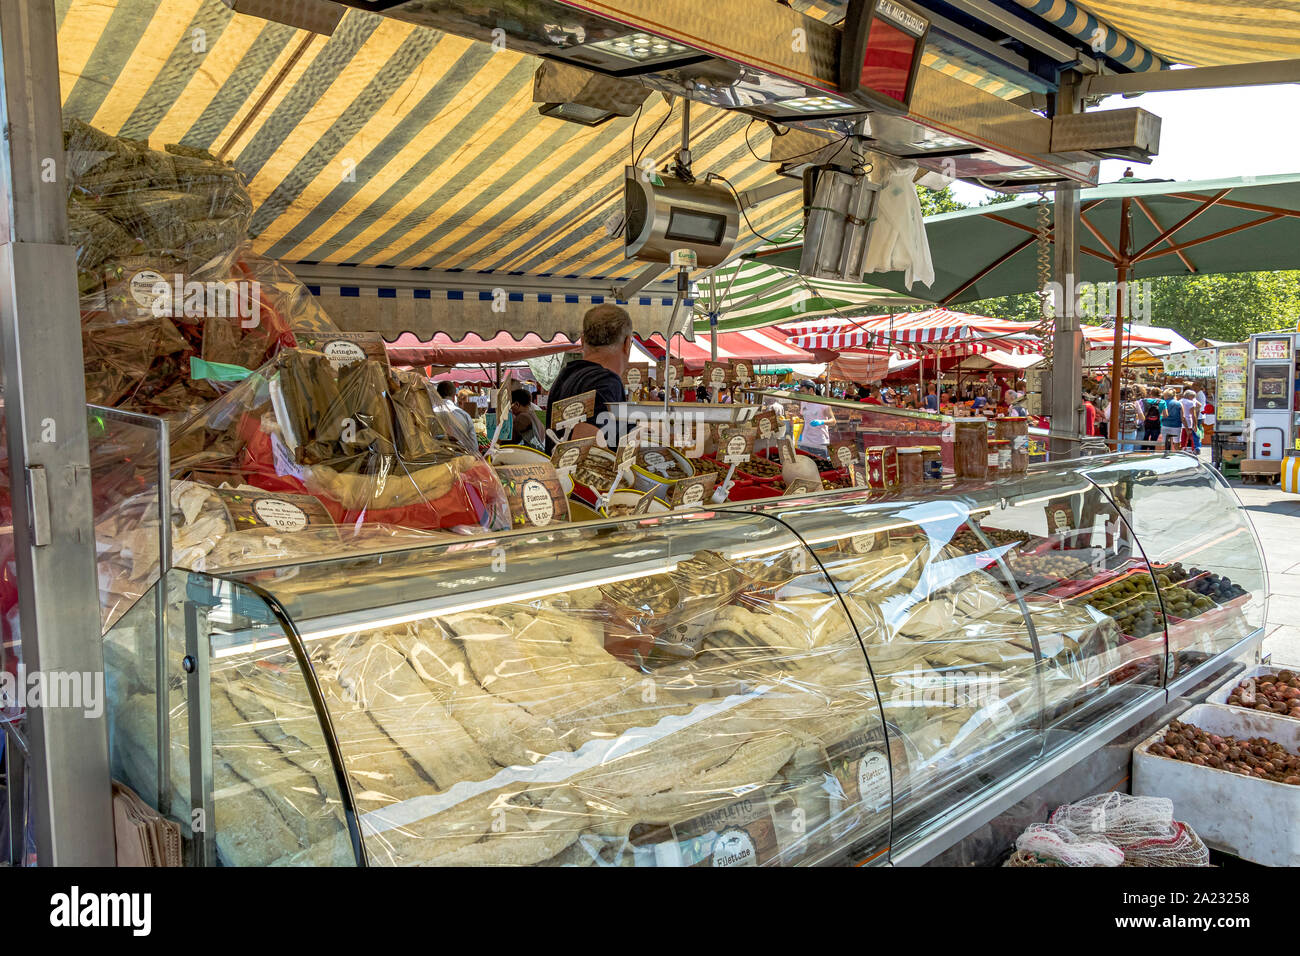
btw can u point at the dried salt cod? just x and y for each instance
(254, 825)
(507, 733)
(379, 678)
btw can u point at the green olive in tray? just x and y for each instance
(761, 468)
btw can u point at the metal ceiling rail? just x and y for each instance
(1269, 73)
(369, 277)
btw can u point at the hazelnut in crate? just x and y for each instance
(1276, 693)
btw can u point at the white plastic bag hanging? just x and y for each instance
(898, 242)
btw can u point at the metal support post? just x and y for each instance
(1067, 344)
(45, 415)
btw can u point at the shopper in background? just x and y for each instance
(931, 399)
(606, 345)
(1017, 400)
(1089, 416)
(1128, 420)
(1151, 410)
(447, 392)
(1171, 424)
(528, 428)
(1207, 421)
(1191, 420)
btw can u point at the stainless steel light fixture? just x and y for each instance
(316, 16)
(580, 96)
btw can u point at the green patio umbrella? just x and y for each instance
(1243, 224)
(752, 295)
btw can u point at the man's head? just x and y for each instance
(607, 337)
(520, 399)
(446, 390)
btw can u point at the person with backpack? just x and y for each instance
(1171, 424)
(1128, 421)
(1153, 409)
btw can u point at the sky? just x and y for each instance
(1206, 134)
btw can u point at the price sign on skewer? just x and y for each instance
(636, 378)
(568, 455)
(692, 492)
(785, 448)
(741, 372)
(716, 376)
(765, 425)
(644, 503)
(802, 486)
(735, 445)
(570, 412)
(844, 455)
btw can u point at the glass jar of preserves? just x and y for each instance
(999, 457)
(971, 447)
(911, 466)
(1015, 429)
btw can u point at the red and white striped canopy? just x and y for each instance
(1103, 338)
(933, 331)
(761, 346)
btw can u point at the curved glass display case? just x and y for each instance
(836, 678)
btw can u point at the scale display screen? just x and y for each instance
(686, 225)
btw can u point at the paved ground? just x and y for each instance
(1276, 515)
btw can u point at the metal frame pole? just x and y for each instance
(45, 415)
(1067, 345)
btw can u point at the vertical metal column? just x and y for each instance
(45, 413)
(1067, 343)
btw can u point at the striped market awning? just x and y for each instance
(752, 294)
(934, 331)
(387, 144)
(1195, 32)
(760, 346)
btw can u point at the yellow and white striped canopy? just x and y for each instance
(388, 144)
(1200, 32)
(385, 144)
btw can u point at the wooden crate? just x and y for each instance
(1232, 456)
(1261, 469)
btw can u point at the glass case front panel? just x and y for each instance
(956, 665)
(1202, 550)
(274, 797)
(666, 691)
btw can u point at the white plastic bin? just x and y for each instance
(1247, 817)
(1221, 695)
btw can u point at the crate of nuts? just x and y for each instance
(1234, 777)
(1267, 688)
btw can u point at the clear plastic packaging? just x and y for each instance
(369, 445)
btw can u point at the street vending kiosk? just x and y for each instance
(1273, 404)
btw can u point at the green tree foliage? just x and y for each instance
(935, 201)
(1229, 306)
